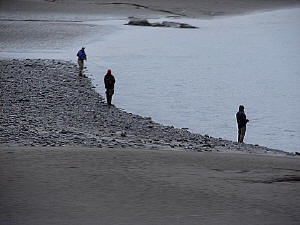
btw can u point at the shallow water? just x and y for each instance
(198, 78)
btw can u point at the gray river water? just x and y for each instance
(197, 78)
(193, 78)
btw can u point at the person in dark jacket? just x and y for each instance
(81, 57)
(242, 122)
(109, 81)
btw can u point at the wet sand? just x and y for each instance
(114, 186)
(59, 25)
(91, 9)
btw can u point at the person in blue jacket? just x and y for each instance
(81, 57)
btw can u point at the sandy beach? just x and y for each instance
(91, 9)
(67, 158)
(114, 186)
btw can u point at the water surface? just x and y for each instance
(198, 78)
(191, 78)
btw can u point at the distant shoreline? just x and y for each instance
(142, 8)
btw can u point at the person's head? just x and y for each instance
(82, 48)
(241, 108)
(109, 71)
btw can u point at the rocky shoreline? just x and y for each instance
(46, 103)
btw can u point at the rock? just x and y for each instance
(24, 100)
(144, 22)
(176, 25)
(184, 25)
(137, 22)
(65, 131)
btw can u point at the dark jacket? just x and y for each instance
(241, 119)
(81, 55)
(109, 81)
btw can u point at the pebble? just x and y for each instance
(46, 103)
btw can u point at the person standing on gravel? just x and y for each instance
(109, 82)
(81, 57)
(242, 122)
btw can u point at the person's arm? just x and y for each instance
(245, 119)
(105, 83)
(238, 118)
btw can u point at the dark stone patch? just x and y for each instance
(292, 178)
(144, 22)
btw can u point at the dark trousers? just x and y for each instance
(241, 134)
(109, 94)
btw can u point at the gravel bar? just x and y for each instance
(46, 103)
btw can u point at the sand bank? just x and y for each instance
(56, 26)
(92, 9)
(115, 186)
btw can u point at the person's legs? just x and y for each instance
(80, 65)
(109, 94)
(242, 132)
(107, 97)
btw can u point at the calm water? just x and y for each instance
(198, 78)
